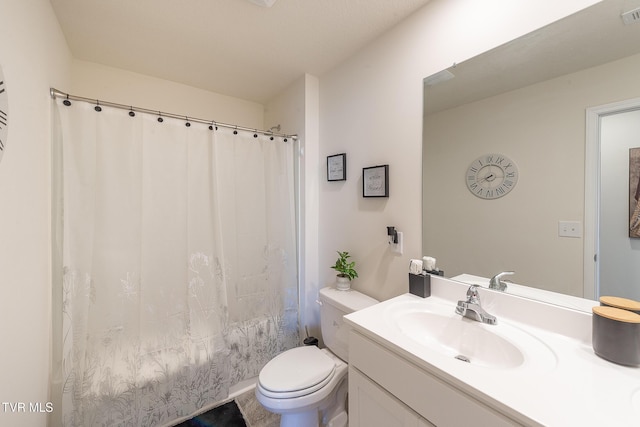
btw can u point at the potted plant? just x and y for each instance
(346, 271)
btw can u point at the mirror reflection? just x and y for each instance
(526, 101)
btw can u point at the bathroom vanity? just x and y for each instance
(415, 362)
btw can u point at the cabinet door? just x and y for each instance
(371, 406)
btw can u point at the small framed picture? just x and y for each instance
(337, 167)
(375, 181)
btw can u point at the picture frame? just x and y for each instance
(337, 167)
(634, 192)
(375, 181)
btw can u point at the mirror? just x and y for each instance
(525, 100)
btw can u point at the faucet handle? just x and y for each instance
(472, 295)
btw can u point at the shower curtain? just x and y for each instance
(175, 273)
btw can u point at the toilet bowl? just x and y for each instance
(301, 384)
(307, 385)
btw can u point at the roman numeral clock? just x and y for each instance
(492, 176)
(4, 114)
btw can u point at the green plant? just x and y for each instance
(344, 267)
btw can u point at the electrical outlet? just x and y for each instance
(397, 247)
(570, 229)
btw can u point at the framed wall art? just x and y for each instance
(375, 181)
(634, 192)
(337, 167)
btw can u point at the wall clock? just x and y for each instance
(4, 114)
(492, 176)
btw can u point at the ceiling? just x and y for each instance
(231, 47)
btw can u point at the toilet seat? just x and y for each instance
(296, 372)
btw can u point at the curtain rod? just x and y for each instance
(55, 93)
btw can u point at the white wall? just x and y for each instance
(296, 110)
(371, 108)
(91, 80)
(34, 57)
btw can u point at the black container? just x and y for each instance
(420, 285)
(435, 272)
(616, 335)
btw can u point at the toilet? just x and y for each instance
(308, 386)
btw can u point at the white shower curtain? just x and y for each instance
(177, 274)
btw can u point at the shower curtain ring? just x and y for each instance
(131, 112)
(187, 124)
(160, 119)
(98, 108)
(235, 131)
(66, 101)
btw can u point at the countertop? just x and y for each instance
(579, 389)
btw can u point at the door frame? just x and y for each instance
(591, 263)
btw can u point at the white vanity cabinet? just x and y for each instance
(372, 406)
(386, 389)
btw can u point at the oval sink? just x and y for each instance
(635, 400)
(461, 337)
(501, 346)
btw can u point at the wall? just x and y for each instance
(371, 108)
(296, 110)
(34, 57)
(542, 129)
(91, 80)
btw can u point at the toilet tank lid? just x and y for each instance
(347, 301)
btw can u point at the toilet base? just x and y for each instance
(340, 420)
(300, 419)
(336, 414)
(312, 419)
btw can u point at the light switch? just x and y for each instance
(570, 229)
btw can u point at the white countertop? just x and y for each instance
(580, 390)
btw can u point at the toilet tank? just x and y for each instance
(334, 305)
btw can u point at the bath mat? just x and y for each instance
(227, 415)
(254, 414)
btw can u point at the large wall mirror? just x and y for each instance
(525, 100)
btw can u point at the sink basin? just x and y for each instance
(437, 328)
(635, 401)
(461, 338)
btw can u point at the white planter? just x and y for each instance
(343, 283)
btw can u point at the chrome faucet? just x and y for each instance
(497, 283)
(472, 309)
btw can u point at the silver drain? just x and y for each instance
(463, 358)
